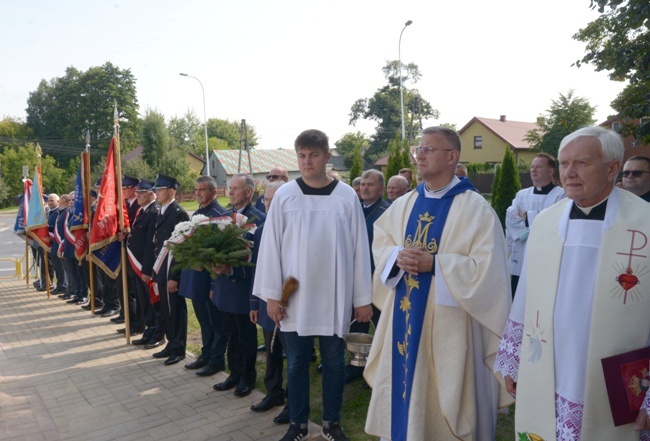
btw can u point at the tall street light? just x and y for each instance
(401, 92)
(205, 125)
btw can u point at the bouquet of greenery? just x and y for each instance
(203, 243)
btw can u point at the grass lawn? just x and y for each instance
(355, 397)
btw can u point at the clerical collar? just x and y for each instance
(439, 193)
(544, 190)
(595, 212)
(311, 191)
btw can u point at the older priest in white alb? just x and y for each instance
(442, 285)
(584, 295)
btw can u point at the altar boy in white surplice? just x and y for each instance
(584, 295)
(442, 284)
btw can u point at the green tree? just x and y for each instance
(618, 41)
(230, 132)
(61, 110)
(566, 114)
(406, 156)
(187, 133)
(384, 108)
(154, 138)
(505, 186)
(174, 163)
(357, 164)
(5, 194)
(348, 145)
(138, 168)
(12, 161)
(394, 163)
(14, 133)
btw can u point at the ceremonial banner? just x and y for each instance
(36, 225)
(21, 219)
(104, 246)
(79, 222)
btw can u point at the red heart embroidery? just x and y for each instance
(627, 281)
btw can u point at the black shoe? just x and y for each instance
(208, 370)
(155, 344)
(62, 294)
(352, 373)
(267, 403)
(197, 364)
(283, 417)
(58, 291)
(75, 299)
(82, 301)
(173, 359)
(261, 348)
(228, 384)
(244, 389)
(332, 432)
(162, 354)
(68, 296)
(140, 342)
(110, 313)
(132, 332)
(295, 433)
(117, 320)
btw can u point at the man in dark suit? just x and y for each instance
(55, 262)
(129, 184)
(141, 258)
(275, 393)
(141, 243)
(195, 285)
(231, 294)
(172, 306)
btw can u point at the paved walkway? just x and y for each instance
(65, 375)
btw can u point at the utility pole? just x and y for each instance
(243, 144)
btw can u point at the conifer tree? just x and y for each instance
(506, 185)
(357, 165)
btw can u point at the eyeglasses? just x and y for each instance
(272, 177)
(635, 173)
(426, 149)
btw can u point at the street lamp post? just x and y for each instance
(401, 92)
(205, 125)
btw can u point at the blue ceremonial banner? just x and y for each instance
(79, 222)
(36, 220)
(19, 225)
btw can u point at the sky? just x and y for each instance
(286, 66)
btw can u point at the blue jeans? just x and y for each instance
(299, 350)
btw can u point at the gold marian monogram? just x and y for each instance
(418, 241)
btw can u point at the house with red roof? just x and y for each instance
(484, 140)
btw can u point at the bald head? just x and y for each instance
(397, 186)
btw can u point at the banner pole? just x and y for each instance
(120, 210)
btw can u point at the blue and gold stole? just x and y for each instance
(423, 230)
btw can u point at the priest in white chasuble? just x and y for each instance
(584, 295)
(443, 287)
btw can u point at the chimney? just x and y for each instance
(502, 118)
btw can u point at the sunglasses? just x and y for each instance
(269, 177)
(635, 173)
